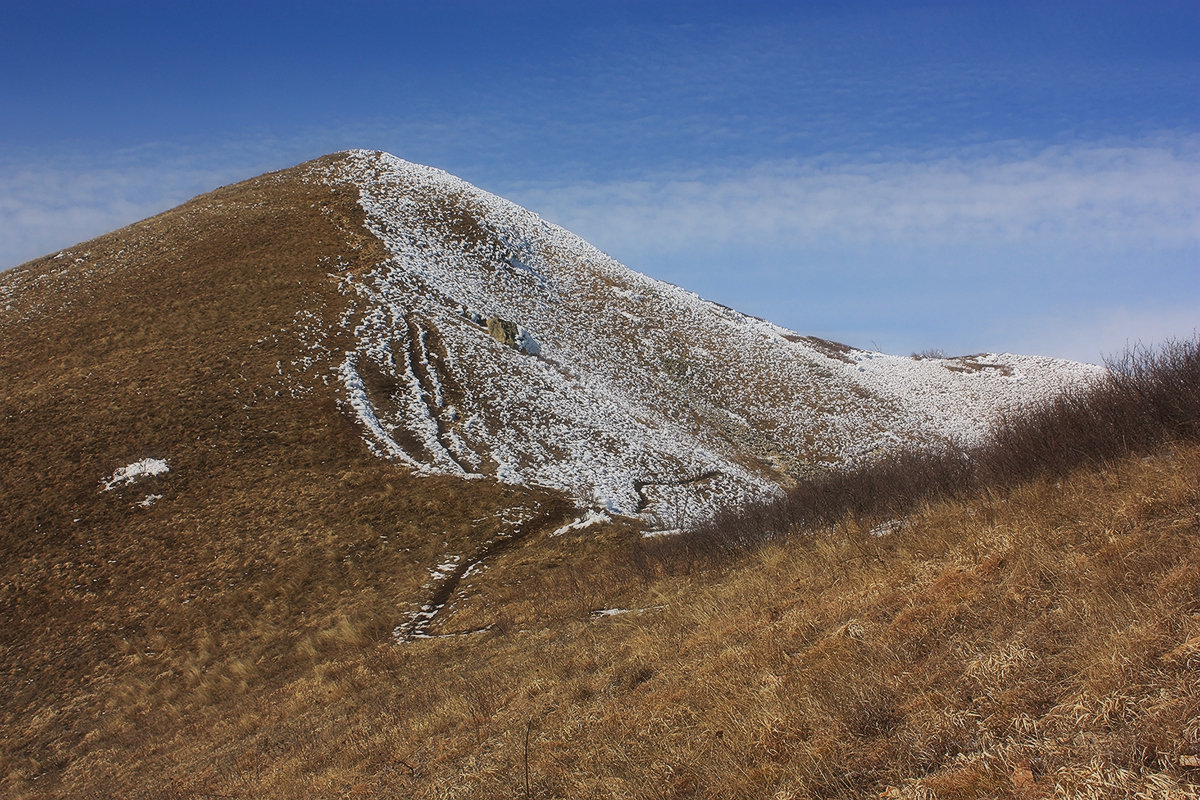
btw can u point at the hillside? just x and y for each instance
(338, 481)
(633, 395)
(470, 338)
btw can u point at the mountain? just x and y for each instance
(312, 410)
(467, 337)
(634, 395)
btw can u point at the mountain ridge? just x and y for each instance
(462, 258)
(472, 338)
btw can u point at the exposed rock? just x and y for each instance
(527, 344)
(503, 331)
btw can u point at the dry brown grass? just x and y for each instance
(278, 540)
(1039, 642)
(1034, 639)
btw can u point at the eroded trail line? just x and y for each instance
(446, 584)
(639, 485)
(429, 384)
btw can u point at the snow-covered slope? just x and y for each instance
(495, 344)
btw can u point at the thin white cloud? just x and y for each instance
(1125, 194)
(52, 201)
(1148, 192)
(47, 205)
(1107, 332)
(1067, 251)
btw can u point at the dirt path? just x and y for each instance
(643, 501)
(446, 583)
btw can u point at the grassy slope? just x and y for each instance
(233, 639)
(125, 628)
(1043, 638)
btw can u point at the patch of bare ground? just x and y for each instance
(831, 349)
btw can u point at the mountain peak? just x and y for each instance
(461, 335)
(492, 343)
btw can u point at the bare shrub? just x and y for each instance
(1145, 399)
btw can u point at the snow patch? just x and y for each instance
(887, 527)
(592, 517)
(634, 386)
(653, 534)
(613, 612)
(445, 569)
(131, 473)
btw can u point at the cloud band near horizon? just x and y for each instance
(1133, 192)
(1092, 211)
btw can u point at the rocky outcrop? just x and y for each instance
(503, 331)
(512, 335)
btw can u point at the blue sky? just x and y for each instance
(898, 175)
